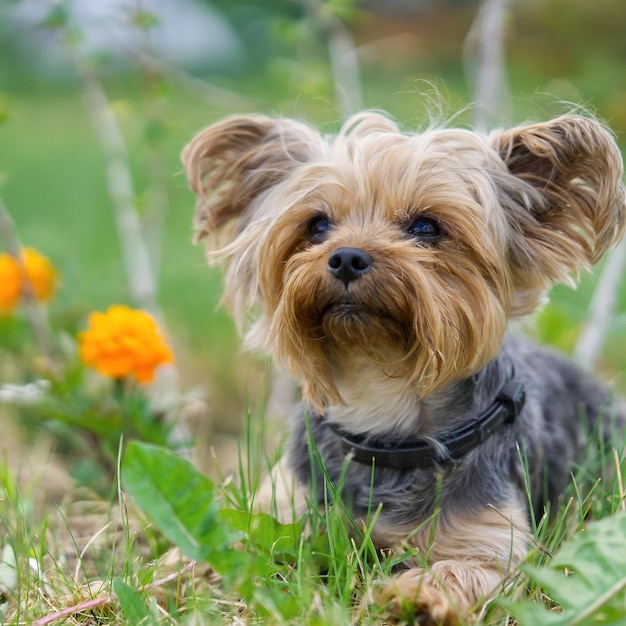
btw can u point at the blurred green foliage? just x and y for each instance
(52, 168)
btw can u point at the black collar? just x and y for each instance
(420, 453)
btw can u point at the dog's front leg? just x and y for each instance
(469, 559)
(281, 494)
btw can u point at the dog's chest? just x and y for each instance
(395, 497)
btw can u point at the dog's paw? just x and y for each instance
(414, 596)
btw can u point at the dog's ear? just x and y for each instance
(563, 197)
(231, 162)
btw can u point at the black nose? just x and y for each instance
(347, 264)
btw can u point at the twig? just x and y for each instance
(35, 312)
(170, 577)
(344, 58)
(484, 48)
(96, 602)
(79, 560)
(72, 610)
(204, 89)
(344, 62)
(603, 304)
(142, 281)
(158, 189)
(8, 232)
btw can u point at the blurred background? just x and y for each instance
(161, 70)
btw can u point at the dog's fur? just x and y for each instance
(449, 234)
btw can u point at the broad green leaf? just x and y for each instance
(265, 532)
(132, 602)
(587, 578)
(182, 504)
(178, 498)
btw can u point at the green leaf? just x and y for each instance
(587, 578)
(179, 499)
(182, 504)
(528, 613)
(265, 532)
(132, 602)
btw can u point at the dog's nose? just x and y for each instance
(347, 264)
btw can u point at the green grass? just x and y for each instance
(253, 569)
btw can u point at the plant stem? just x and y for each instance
(620, 483)
(484, 50)
(344, 58)
(603, 304)
(142, 281)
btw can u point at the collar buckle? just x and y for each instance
(513, 396)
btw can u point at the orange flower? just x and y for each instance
(34, 272)
(41, 274)
(10, 283)
(123, 342)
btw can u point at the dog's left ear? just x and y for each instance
(563, 197)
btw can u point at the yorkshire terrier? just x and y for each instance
(380, 269)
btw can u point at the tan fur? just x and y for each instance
(274, 175)
(577, 213)
(468, 558)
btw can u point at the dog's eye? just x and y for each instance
(425, 228)
(317, 228)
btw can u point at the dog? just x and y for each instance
(381, 269)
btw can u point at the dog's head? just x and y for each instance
(409, 250)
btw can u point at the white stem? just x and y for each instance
(344, 57)
(484, 49)
(344, 61)
(142, 282)
(603, 304)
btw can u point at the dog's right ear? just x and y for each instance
(231, 162)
